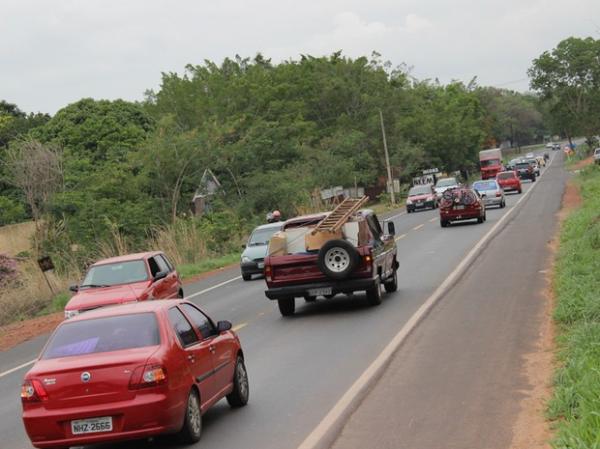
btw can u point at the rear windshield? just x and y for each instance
(116, 273)
(506, 175)
(103, 335)
(523, 165)
(446, 182)
(485, 185)
(262, 236)
(419, 190)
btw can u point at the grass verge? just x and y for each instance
(575, 405)
(188, 270)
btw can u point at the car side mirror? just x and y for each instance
(160, 275)
(74, 288)
(391, 228)
(223, 326)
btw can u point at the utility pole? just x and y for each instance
(390, 183)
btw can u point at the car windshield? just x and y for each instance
(261, 236)
(107, 334)
(446, 182)
(116, 273)
(505, 175)
(419, 190)
(490, 162)
(485, 185)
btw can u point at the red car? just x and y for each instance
(509, 180)
(129, 372)
(461, 204)
(118, 280)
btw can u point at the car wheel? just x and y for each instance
(180, 294)
(337, 259)
(192, 422)
(391, 285)
(408, 211)
(246, 276)
(309, 298)
(374, 294)
(520, 191)
(241, 390)
(287, 306)
(502, 204)
(444, 223)
(480, 219)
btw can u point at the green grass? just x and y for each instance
(57, 304)
(575, 404)
(192, 269)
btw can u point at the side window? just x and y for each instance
(200, 321)
(182, 327)
(162, 265)
(153, 266)
(374, 226)
(168, 262)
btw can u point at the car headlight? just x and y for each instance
(246, 259)
(71, 313)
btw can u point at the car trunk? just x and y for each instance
(109, 377)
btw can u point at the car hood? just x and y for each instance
(90, 298)
(420, 197)
(255, 252)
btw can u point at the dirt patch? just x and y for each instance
(532, 430)
(583, 163)
(208, 274)
(15, 333)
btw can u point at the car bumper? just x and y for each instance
(144, 416)
(301, 290)
(509, 187)
(419, 206)
(460, 215)
(252, 267)
(493, 201)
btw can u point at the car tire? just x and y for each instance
(180, 294)
(337, 259)
(502, 204)
(520, 191)
(374, 294)
(444, 223)
(391, 285)
(480, 219)
(246, 276)
(241, 390)
(309, 298)
(287, 305)
(192, 422)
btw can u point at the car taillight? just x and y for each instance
(268, 273)
(33, 391)
(498, 193)
(148, 376)
(368, 260)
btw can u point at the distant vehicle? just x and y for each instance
(550, 145)
(118, 280)
(556, 147)
(444, 184)
(490, 162)
(511, 165)
(461, 204)
(255, 250)
(491, 192)
(597, 155)
(534, 163)
(132, 371)
(509, 180)
(525, 170)
(530, 156)
(421, 197)
(363, 258)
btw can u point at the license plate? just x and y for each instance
(261, 265)
(320, 291)
(92, 425)
(459, 207)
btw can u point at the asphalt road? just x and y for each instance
(299, 367)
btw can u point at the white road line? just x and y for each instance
(400, 237)
(433, 219)
(17, 368)
(393, 217)
(416, 228)
(206, 290)
(326, 432)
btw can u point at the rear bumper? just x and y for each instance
(300, 290)
(509, 187)
(423, 205)
(144, 416)
(461, 215)
(493, 201)
(252, 267)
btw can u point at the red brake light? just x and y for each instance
(33, 391)
(268, 273)
(148, 376)
(498, 193)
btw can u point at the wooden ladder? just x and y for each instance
(340, 215)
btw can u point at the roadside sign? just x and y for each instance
(45, 263)
(430, 171)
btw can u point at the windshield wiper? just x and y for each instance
(94, 285)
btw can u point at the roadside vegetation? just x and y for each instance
(575, 405)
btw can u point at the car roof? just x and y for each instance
(278, 224)
(127, 309)
(127, 258)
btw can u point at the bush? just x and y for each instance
(8, 270)
(11, 211)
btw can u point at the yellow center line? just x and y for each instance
(400, 237)
(239, 326)
(433, 219)
(416, 228)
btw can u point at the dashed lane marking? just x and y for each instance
(433, 219)
(416, 228)
(239, 326)
(400, 237)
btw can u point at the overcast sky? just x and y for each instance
(54, 52)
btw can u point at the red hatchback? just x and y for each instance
(132, 371)
(509, 180)
(461, 204)
(118, 280)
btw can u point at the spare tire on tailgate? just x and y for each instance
(337, 259)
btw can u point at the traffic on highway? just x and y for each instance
(122, 369)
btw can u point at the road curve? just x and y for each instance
(300, 366)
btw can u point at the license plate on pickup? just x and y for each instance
(92, 425)
(319, 291)
(459, 207)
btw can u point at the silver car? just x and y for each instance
(491, 192)
(444, 184)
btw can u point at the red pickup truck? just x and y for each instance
(361, 261)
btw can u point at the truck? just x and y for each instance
(490, 162)
(330, 253)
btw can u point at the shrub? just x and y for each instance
(9, 272)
